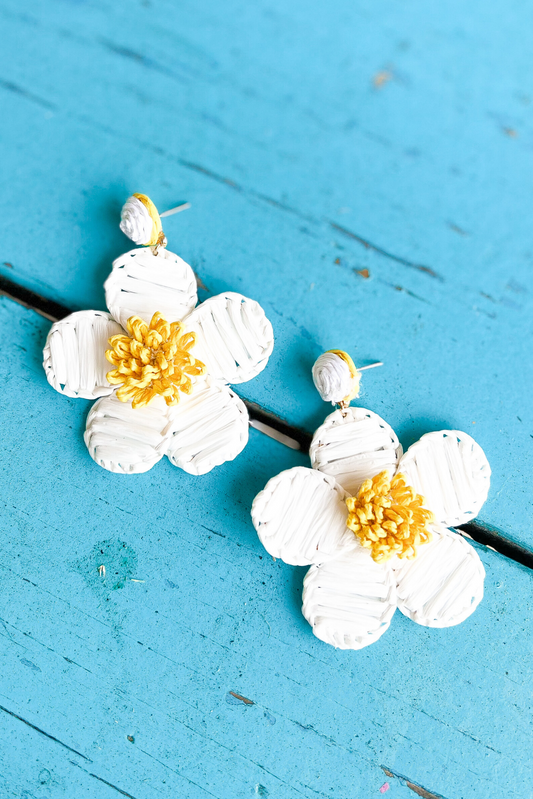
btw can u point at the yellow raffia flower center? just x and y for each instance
(388, 517)
(155, 360)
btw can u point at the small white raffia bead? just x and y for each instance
(332, 378)
(206, 429)
(74, 354)
(135, 221)
(234, 338)
(349, 601)
(450, 470)
(300, 517)
(126, 440)
(443, 584)
(354, 445)
(142, 283)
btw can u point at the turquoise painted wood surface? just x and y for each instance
(294, 132)
(314, 143)
(90, 661)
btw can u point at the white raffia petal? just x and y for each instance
(300, 517)
(234, 337)
(349, 602)
(74, 355)
(142, 283)
(450, 470)
(206, 429)
(332, 377)
(353, 445)
(124, 439)
(443, 585)
(135, 221)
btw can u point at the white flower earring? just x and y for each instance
(159, 367)
(372, 522)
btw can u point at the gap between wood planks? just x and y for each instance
(274, 427)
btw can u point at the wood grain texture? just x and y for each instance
(363, 171)
(314, 144)
(192, 608)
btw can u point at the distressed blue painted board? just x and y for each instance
(49, 771)
(409, 127)
(271, 122)
(92, 661)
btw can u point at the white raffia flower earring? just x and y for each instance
(372, 522)
(159, 366)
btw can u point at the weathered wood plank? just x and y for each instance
(49, 769)
(300, 136)
(90, 660)
(315, 143)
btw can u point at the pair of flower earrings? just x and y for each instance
(371, 521)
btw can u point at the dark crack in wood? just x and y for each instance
(46, 734)
(480, 532)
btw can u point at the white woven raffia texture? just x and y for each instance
(451, 471)
(349, 602)
(233, 338)
(300, 517)
(204, 430)
(349, 599)
(208, 429)
(124, 441)
(141, 283)
(135, 221)
(74, 354)
(332, 377)
(443, 585)
(353, 445)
